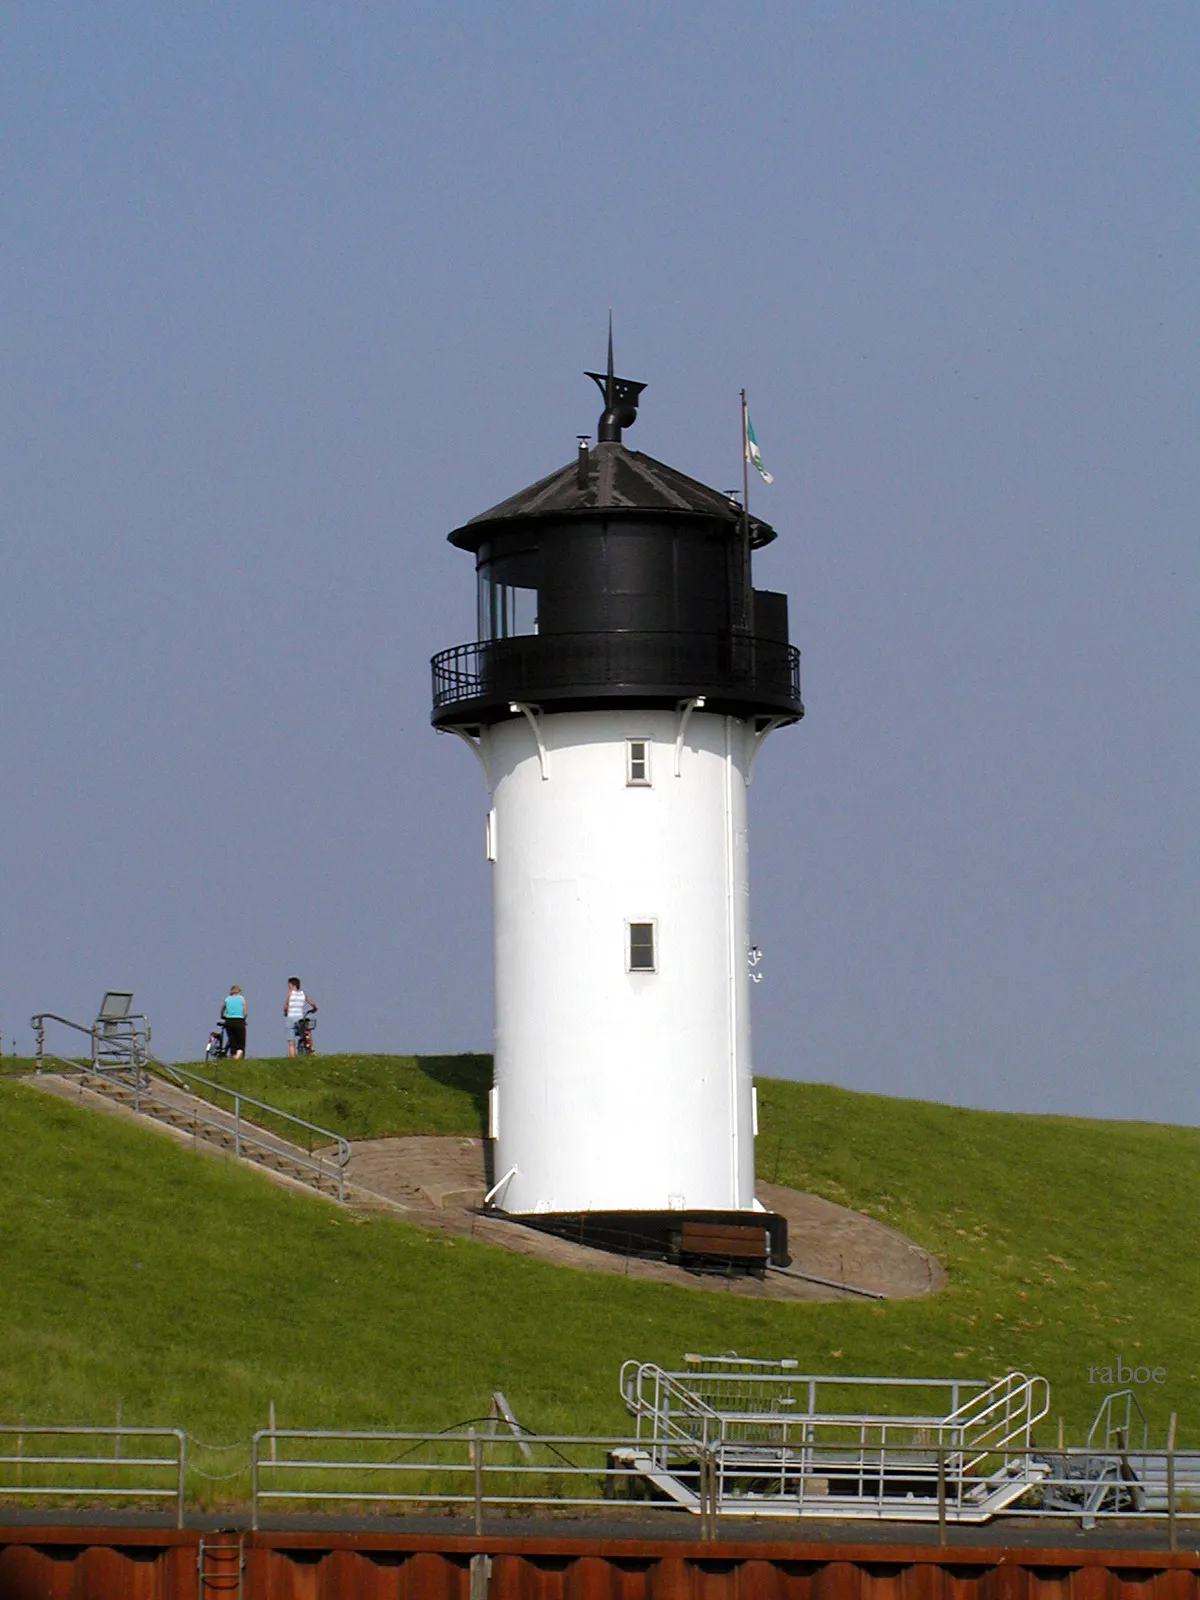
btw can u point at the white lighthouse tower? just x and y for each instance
(624, 676)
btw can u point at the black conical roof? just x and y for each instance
(618, 479)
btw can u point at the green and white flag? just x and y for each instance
(754, 454)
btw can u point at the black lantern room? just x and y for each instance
(618, 580)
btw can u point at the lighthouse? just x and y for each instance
(623, 678)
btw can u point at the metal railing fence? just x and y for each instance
(137, 1465)
(832, 1479)
(727, 1399)
(484, 1473)
(464, 1469)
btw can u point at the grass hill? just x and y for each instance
(369, 1097)
(194, 1292)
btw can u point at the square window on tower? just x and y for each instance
(637, 763)
(640, 953)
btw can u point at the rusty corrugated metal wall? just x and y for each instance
(96, 1564)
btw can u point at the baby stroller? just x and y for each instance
(304, 1033)
(217, 1047)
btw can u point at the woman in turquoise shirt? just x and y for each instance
(233, 1015)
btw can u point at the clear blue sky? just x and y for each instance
(290, 290)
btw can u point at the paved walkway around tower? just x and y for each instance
(439, 1180)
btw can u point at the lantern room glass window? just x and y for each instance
(641, 954)
(507, 593)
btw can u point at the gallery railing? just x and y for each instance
(537, 665)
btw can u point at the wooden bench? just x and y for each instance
(725, 1241)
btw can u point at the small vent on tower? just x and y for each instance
(581, 471)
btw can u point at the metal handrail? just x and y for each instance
(64, 1464)
(103, 1069)
(102, 1037)
(666, 1388)
(691, 1390)
(38, 1021)
(343, 1146)
(1004, 1414)
(788, 1377)
(1117, 1432)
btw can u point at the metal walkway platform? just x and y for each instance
(731, 1437)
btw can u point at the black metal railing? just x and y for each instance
(568, 666)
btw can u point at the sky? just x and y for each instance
(288, 291)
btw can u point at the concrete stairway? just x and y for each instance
(196, 1120)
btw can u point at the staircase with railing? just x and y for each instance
(989, 1432)
(211, 1113)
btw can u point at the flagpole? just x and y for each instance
(745, 467)
(745, 516)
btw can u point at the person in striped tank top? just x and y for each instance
(296, 1007)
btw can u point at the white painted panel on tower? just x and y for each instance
(622, 1088)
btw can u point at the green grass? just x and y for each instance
(367, 1097)
(16, 1066)
(1068, 1242)
(194, 1292)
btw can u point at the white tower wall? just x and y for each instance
(619, 1090)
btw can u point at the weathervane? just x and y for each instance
(620, 399)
